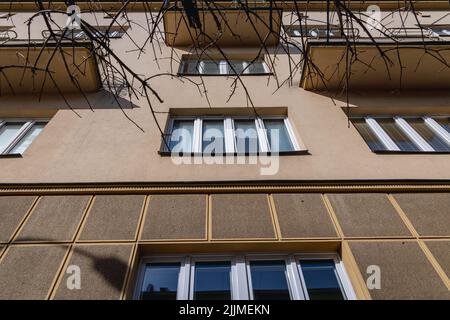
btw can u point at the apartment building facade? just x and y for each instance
(293, 180)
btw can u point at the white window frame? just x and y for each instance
(184, 269)
(341, 273)
(27, 126)
(403, 125)
(224, 68)
(437, 128)
(412, 134)
(241, 284)
(212, 258)
(381, 135)
(292, 279)
(230, 132)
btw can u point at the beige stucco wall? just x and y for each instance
(104, 146)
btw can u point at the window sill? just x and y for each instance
(193, 154)
(11, 155)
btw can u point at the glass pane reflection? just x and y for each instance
(212, 281)
(160, 281)
(269, 280)
(321, 280)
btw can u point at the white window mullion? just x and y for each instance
(223, 67)
(201, 67)
(229, 135)
(290, 130)
(436, 128)
(22, 132)
(343, 279)
(294, 280)
(197, 136)
(239, 284)
(381, 134)
(245, 67)
(413, 135)
(249, 279)
(262, 135)
(184, 279)
(265, 66)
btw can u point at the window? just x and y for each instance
(321, 280)
(268, 280)
(405, 134)
(231, 135)
(212, 280)
(320, 31)
(160, 281)
(252, 277)
(7, 33)
(77, 34)
(437, 30)
(223, 67)
(17, 135)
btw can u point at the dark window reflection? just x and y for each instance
(160, 281)
(444, 122)
(246, 137)
(269, 280)
(321, 280)
(212, 281)
(429, 135)
(396, 134)
(371, 139)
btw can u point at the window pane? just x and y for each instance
(238, 66)
(182, 136)
(371, 139)
(269, 280)
(209, 67)
(213, 141)
(8, 132)
(400, 139)
(191, 67)
(25, 142)
(321, 280)
(246, 136)
(277, 135)
(441, 31)
(429, 135)
(444, 122)
(160, 281)
(212, 281)
(256, 67)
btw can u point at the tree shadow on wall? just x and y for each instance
(110, 268)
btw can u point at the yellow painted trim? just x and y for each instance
(333, 216)
(220, 188)
(356, 278)
(148, 198)
(208, 226)
(24, 219)
(130, 267)
(428, 254)
(437, 267)
(227, 247)
(58, 272)
(142, 215)
(3, 253)
(274, 216)
(403, 216)
(59, 275)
